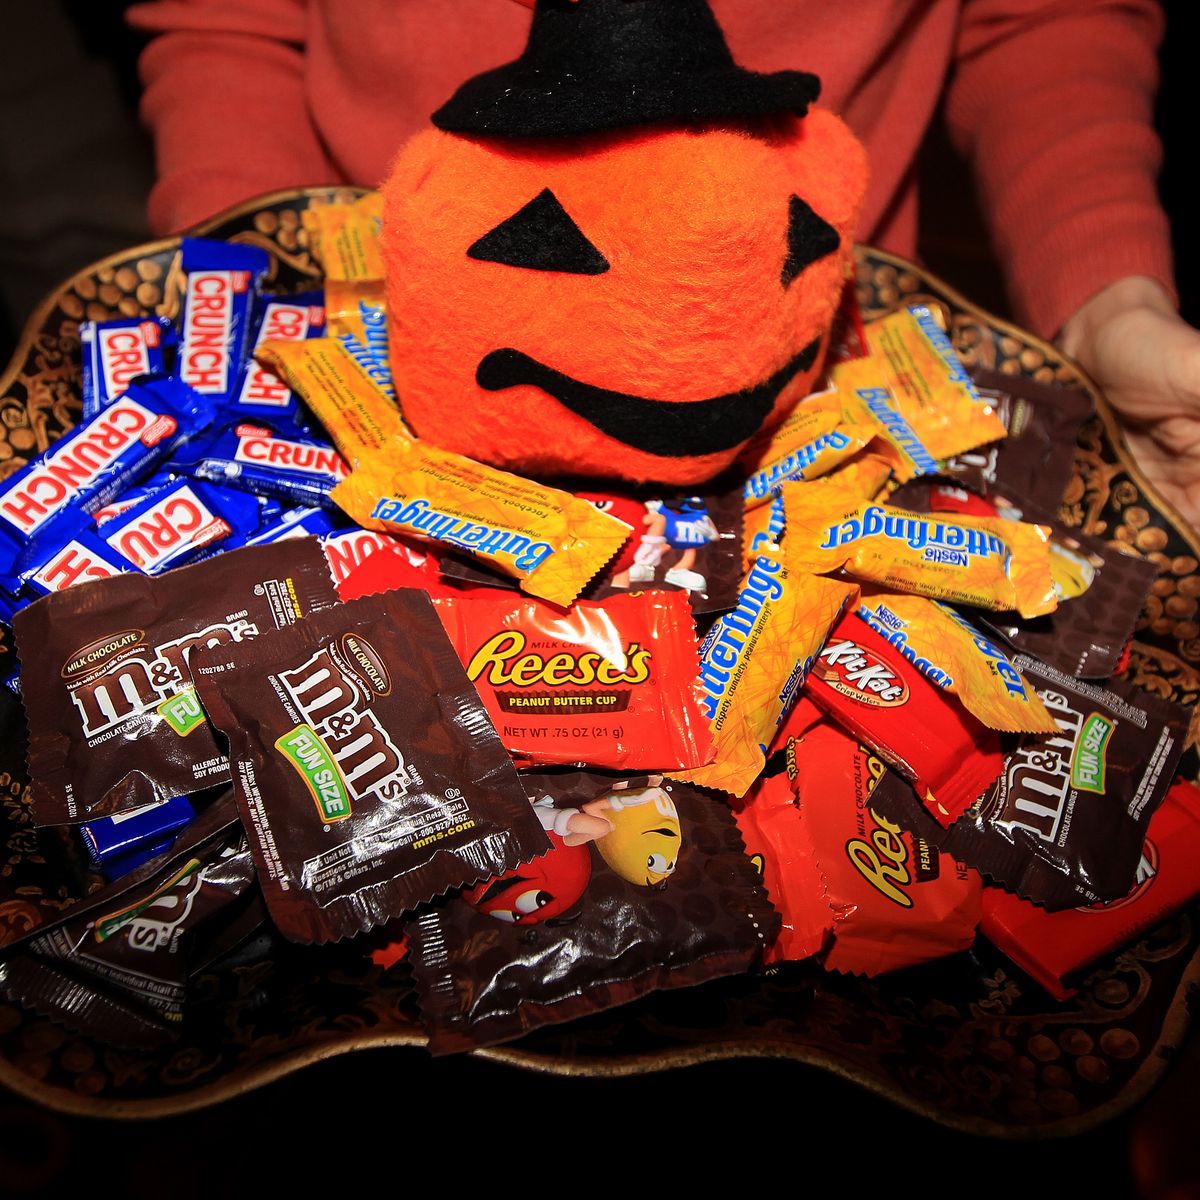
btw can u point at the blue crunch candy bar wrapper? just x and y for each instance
(109, 838)
(174, 525)
(260, 394)
(99, 459)
(66, 551)
(132, 497)
(296, 522)
(300, 471)
(114, 720)
(115, 353)
(223, 279)
(186, 521)
(646, 886)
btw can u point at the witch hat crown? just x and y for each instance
(598, 65)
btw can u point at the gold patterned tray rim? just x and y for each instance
(242, 1081)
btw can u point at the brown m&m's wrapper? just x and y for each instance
(1035, 461)
(114, 720)
(1058, 949)
(368, 775)
(1065, 822)
(647, 887)
(116, 966)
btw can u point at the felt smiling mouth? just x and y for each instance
(668, 428)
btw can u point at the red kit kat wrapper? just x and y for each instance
(870, 689)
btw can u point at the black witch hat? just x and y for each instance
(597, 65)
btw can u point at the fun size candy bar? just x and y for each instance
(609, 683)
(115, 353)
(260, 394)
(222, 281)
(1058, 949)
(300, 471)
(987, 562)
(646, 886)
(872, 689)
(108, 838)
(755, 659)
(897, 901)
(367, 772)
(114, 721)
(100, 458)
(956, 656)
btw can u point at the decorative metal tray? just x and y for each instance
(969, 1041)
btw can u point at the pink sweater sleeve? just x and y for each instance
(224, 98)
(1053, 102)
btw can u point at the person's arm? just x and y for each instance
(1052, 100)
(224, 99)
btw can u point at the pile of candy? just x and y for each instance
(363, 682)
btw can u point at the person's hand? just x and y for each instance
(1146, 360)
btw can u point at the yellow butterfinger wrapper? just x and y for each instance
(551, 542)
(930, 386)
(813, 440)
(985, 561)
(865, 396)
(356, 316)
(754, 661)
(957, 657)
(357, 414)
(344, 238)
(762, 528)
(866, 474)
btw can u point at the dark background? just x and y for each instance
(74, 172)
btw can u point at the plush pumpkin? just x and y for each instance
(617, 256)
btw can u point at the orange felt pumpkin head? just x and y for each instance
(637, 302)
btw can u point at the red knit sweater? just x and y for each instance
(1051, 100)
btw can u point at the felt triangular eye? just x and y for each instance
(809, 238)
(541, 237)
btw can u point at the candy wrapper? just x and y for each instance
(780, 845)
(652, 890)
(929, 384)
(115, 353)
(608, 684)
(870, 688)
(1065, 822)
(114, 721)
(1059, 948)
(896, 900)
(116, 966)
(548, 540)
(986, 562)
(1101, 591)
(368, 775)
(948, 650)
(754, 660)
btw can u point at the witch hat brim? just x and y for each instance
(599, 65)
